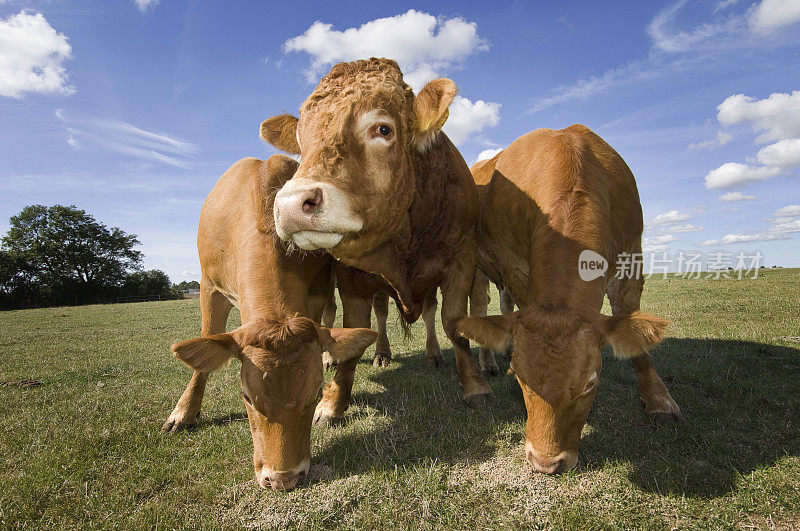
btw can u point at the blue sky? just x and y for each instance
(132, 109)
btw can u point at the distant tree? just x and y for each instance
(68, 255)
(148, 284)
(187, 285)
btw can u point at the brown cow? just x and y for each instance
(544, 200)
(380, 306)
(383, 190)
(280, 296)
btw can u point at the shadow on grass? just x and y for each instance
(422, 417)
(741, 401)
(741, 404)
(222, 420)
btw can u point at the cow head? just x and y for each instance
(281, 384)
(557, 363)
(358, 133)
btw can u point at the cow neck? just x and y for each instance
(287, 274)
(413, 259)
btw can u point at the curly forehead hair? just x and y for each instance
(373, 78)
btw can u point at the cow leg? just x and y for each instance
(356, 308)
(328, 311)
(383, 352)
(432, 349)
(214, 310)
(506, 307)
(624, 295)
(455, 292)
(478, 305)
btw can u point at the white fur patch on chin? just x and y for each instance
(311, 240)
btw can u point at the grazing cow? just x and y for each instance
(384, 191)
(279, 345)
(545, 200)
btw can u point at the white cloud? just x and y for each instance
(468, 118)
(422, 45)
(144, 5)
(771, 15)
(782, 226)
(747, 238)
(721, 140)
(32, 55)
(733, 174)
(783, 154)
(488, 153)
(736, 196)
(788, 211)
(126, 138)
(673, 216)
(189, 274)
(657, 243)
(416, 40)
(685, 228)
(776, 117)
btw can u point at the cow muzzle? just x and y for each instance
(283, 480)
(563, 462)
(314, 215)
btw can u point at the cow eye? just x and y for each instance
(384, 130)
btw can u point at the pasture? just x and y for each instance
(84, 448)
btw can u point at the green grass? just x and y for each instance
(84, 448)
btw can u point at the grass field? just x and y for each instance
(84, 448)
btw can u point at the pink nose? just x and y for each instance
(310, 200)
(282, 480)
(294, 212)
(551, 465)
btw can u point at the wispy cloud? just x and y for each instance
(144, 5)
(722, 139)
(125, 138)
(675, 49)
(736, 196)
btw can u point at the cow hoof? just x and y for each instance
(322, 420)
(436, 362)
(381, 360)
(491, 371)
(665, 411)
(177, 422)
(478, 400)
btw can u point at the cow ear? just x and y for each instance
(633, 334)
(431, 110)
(346, 343)
(281, 132)
(493, 332)
(207, 353)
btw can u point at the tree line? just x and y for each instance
(60, 255)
